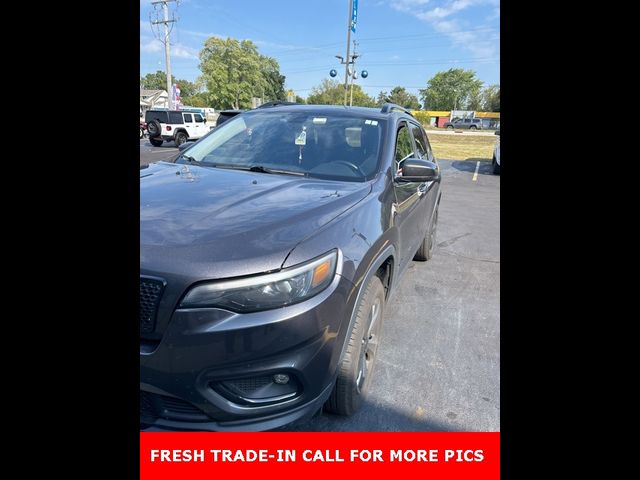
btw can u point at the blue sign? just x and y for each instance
(354, 16)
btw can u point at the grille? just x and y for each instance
(247, 386)
(150, 294)
(154, 406)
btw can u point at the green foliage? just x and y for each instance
(491, 98)
(454, 89)
(198, 100)
(158, 81)
(234, 72)
(399, 96)
(421, 116)
(331, 92)
(299, 99)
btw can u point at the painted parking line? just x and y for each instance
(475, 174)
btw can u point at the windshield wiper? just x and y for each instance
(258, 168)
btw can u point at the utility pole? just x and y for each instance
(353, 71)
(165, 21)
(346, 66)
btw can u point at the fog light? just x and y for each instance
(281, 378)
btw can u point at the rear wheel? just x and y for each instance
(425, 252)
(473, 127)
(356, 369)
(156, 142)
(181, 138)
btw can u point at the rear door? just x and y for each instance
(189, 124)
(466, 123)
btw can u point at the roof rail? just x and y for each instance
(275, 104)
(392, 107)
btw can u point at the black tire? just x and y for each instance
(449, 127)
(156, 142)
(496, 167)
(180, 138)
(425, 252)
(356, 368)
(154, 129)
(473, 127)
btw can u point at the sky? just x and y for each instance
(400, 42)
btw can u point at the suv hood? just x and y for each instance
(219, 223)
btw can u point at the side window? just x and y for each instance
(467, 120)
(175, 118)
(188, 118)
(198, 118)
(422, 145)
(404, 148)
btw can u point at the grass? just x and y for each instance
(462, 147)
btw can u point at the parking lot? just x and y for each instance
(438, 366)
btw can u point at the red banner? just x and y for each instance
(435, 456)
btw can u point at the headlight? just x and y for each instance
(264, 292)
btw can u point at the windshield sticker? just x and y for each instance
(301, 139)
(320, 120)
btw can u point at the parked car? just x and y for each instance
(174, 125)
(268, 251)
(225, 115)
(468, 123)
(495, 162)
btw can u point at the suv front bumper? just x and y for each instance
(214, 370)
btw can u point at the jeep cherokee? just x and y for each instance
(268, 250)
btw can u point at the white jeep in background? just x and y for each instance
(174, 125)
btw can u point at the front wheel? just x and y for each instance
(450, 127)
(473, 127)
(425, 252)
(356, 368)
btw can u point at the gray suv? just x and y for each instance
(468, 123)
(268, 251)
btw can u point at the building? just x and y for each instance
(438, 118)
(153, 99)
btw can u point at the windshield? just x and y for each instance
(331, 146)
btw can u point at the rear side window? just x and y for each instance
(476, 120)
(175, 117)
(160, 116)
(188, 118)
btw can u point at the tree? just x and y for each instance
(450, 90)
(158, 81)
(234, 72)
(400, 96)
(383, 97)
(491, 98)
(299, 99)
(331, 92)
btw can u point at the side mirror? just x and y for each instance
(497, 132)
(184, 146)
(418, 170)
